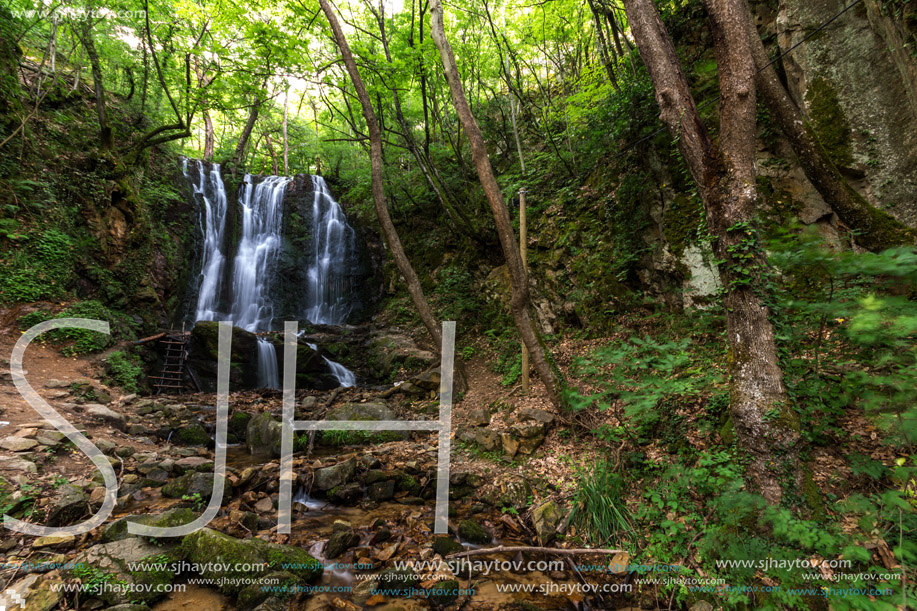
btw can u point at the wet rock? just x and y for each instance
(362, 590)
(238, 424)
(445, 545)
(443, 593)
(35, 592)
(488, 439)
(257, 595)
(348, 494)
(471, 531)
(340, 542)
(545, 519)
(17, 444)
(117, 530)
(335, 475)
(109, 562)
(69, 506)
(479, 417)
(100, 412)
(263, 435)
(245, 558)
(381, 491)
(396, 580)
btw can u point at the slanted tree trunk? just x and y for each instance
(375, 159)
(766, 427)
(876, 229)
(106, 136)
(239, 153)
(519, 302)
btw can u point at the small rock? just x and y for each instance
(445, 545)
(340, 542)
(70, 505)
(17, 444)
(101, 412)
(471, 531)
(381, 491)
(54, 383)
(106, 446)
(53, 541)
(17, 464)
(335, 475)
(479, 417)
(265, 505)
(309, 402)
(545, 519)
(488, 439)
(510, 444)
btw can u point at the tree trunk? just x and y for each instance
(876, 228)
(275, 168)
(238, 155)
(286, 142)
(519, 303)
(106, 137)
(766, 427)
(208, 137)
(375, 158)
(602, 44)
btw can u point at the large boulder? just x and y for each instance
(117, 530)
(35, 592)
(232, 562)
(110, 563)
(263, 435)
(391, 350)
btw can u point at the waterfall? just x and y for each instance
(212, 194)
(328, 300)
(259, 248)
(344, 376)
(268, 375)
(253, 268)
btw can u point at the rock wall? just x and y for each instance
(857, 83)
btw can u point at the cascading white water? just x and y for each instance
(259, 248)
(212, 193)
(344, 376)
(328, 301)
(268, 375)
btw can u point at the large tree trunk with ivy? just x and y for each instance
(875, 229)
(378, 191)
(766, 427)
(519, 303)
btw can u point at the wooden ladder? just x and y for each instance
(173, 368)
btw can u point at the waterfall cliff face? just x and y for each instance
(282, 268)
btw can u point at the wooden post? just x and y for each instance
(523, 239)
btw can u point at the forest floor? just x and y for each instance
(520, 483)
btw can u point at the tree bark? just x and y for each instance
(876, 229)
(766, 427)
(286, 142)
(519, 303)
(208, 137)
(106, 136)
(237, 156)
(375, 158)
